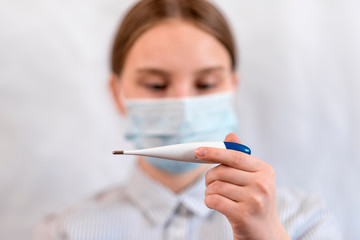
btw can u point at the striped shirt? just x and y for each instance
(144, 209)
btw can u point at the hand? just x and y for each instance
(242, 188)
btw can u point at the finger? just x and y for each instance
(232, 158)
(231, 137)
(225, 189)
(228, 174)
(221, 204)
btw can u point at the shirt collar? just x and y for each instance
(193, 198)
(158, 203)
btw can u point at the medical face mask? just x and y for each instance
(154, 123)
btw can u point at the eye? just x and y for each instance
(155, 86)
(205, 86)
(153, 83)
(207, 83)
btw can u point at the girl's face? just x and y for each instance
(174, 59)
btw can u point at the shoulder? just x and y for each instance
(306, 216)
(88, 214)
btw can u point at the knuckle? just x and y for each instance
(235, 158)
(216, 173)
(266, 188)
(257, 203)
(212, 201)
(210, 177)
(219, 171)
(265, 183)
(263, 186)
(216, 186)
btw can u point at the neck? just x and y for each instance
(175, 182)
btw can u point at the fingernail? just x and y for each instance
(201, 152)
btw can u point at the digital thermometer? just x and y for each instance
(184, 152)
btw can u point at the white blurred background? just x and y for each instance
(298, 102)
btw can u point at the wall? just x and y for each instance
(298, 102)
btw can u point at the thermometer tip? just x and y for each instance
(118, 152)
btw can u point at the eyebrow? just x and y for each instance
(210, 70)
(153, 71)
(163, 73)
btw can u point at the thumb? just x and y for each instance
(231, 137)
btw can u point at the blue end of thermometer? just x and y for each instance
(237, 147)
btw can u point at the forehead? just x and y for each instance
(177, 45)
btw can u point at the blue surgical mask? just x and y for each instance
(159, 122)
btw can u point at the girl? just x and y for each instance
(173, 79)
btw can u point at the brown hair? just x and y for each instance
(146, 13)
